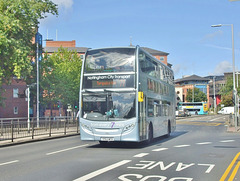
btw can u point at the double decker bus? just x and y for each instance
(125, 95)
(194, 107)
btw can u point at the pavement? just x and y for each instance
(233, 129)
(16, 141)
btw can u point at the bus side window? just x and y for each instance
(150, 108)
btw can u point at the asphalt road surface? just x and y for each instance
(200, 150)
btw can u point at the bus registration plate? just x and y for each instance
(107, 139)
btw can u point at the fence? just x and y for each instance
(17, 128)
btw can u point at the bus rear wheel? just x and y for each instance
(150, 134)
(169, 129)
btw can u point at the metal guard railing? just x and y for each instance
(17, 128)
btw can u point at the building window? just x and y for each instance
(15, 110)
(162, 58)
(15, 93)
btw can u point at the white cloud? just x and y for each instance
(65, 4)
(219, 47)
(212, 36)
(224, 66)
(179, 70)
(64, 7)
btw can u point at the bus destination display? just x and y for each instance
(108, 81)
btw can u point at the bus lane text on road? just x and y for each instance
(178, 167)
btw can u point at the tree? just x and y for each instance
(199, 96)
(227, 100)
(61, 77)
(18, 22)
(226, 92)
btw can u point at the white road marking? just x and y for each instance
(160, 149)
(140, 155)
(6, 163)
(210, 167)
(181, 146)
(204, 143)
(66, 149)
(227, 141)
(103, 170)
(215, 119)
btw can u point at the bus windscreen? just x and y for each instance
(110, 60)
(109, 106)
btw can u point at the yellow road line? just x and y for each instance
(226, 173)
(198, 123)
(234, 171)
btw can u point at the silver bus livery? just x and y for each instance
(125, 95)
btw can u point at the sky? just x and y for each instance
(181, 28)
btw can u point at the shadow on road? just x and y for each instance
(133, 145)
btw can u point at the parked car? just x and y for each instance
(183, 113)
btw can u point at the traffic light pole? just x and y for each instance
(37, 85)
(38, 41)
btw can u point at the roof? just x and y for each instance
(55, 49)
(191, 78)
(84, 49)
(154, 52)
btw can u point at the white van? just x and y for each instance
(226, 110)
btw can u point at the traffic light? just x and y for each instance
(58, 104)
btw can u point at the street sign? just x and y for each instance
(38, 41)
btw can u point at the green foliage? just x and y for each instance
(228, 88)
(227, 100)
(226, 92)
(61, 77)
(18, 22)
(199, 96)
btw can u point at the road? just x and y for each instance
(200, 149)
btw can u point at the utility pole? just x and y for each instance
(214, 94)
(193, 93)
(38, 41)
(233, 65)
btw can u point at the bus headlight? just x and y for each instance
(86, 127)
(129, 127)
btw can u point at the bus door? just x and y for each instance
(142, 116)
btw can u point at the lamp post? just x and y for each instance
(233, 67)
(237, 73)
(214, 94)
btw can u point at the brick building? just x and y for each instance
(215, 84)
(160, 55)
(189, 82)
(15, 102)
